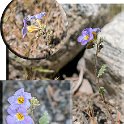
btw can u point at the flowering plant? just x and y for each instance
(21, 109)
(34, 24)
(89, 37)
(32, 28)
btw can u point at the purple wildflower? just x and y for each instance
(88, 35)
(20, 98)
(29, 18)
(18, 115)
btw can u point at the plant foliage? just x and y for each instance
(102, 70)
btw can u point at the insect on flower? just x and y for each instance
(20, 98)
(26, 28)
(88, 34)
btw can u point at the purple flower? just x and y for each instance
(29, 18)
(37, 16)
(20, 98)
(88, 35)
(18, 115)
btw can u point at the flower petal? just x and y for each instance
(12, 110)
(23, 110)
(25, 22)
(24, 31)
(26, 104)
(19, 92)
(84, 42)
(91, 37)
(96, 30)
(27, 95)
(11, 120)
(40, 15)
(31, 17)
(80, 38)
(84, 33)
(28, 120)
(11, 99)
(87, 31)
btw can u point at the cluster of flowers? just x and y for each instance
(18, 109)
(88, 35)
(30, 28)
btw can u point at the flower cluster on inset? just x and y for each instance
(33, 24)
(18, 109)
(31, 28)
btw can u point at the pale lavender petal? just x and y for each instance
(11, 120)
(87, 30)
(96, 30)
(24, 31)
(28, 120)
(84, 33)
(22, 122)
(27, 104)
(11, 110)
(25, 22)
(91, 37)
(80, 38)
(40, 15)
(20, 91)
(27, 95)
(23, 110)
(84, 42)
(11, 99)
(31, 17)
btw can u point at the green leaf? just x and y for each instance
(102, 90)
(102, 70)
(40, 69)
(44, 119)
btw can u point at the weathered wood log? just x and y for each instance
(79, 17)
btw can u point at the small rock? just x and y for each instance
(86, 87)
(59, 117)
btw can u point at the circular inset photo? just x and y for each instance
(34, 29)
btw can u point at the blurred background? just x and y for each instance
(54, 97)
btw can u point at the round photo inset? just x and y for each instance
(34, 29)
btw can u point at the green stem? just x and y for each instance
(97, 82)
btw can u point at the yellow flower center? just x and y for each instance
(20, 100)
(20, 116)
(32, 28)
(86, 37)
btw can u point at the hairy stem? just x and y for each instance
(97, 82)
